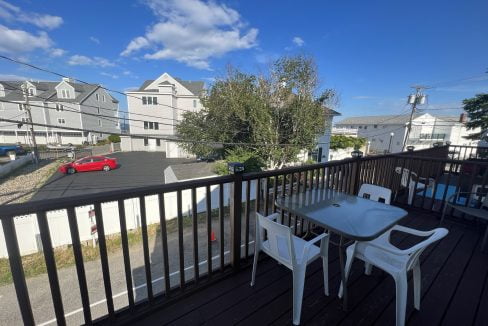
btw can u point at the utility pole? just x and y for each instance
(414, 99)
(25, 90)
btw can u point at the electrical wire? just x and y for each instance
(83, 82)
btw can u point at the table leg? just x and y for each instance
(342, 262)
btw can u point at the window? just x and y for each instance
(61, 121)
(151, 125)
(156, 126)
(22, 107)
(149, 100)
(158, 142)
(146, 125)
(103, 98)
(99, 122)
(146, 142)
(97, 97)
(360, 127)
(25, 120)
(155, 100)
(194, 103)
(65, 93)
(375, 126)
(98, 110)
(59, 107)
(144, 100)
(31, 92)
(365, 127)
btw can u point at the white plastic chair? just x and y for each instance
(414, 179)
(396, 262)
(375, 193)
(291, 251)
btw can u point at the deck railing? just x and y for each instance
(248, 193)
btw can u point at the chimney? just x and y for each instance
(463, 118)
(67, 79)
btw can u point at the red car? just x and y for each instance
(89, 163)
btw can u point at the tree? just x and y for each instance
(343, 142)
(114, 138)
(477, 109)
(274, 116)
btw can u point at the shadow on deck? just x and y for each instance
(454, 289)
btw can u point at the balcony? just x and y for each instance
(192, 263)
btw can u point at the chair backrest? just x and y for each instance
(479, 193)
(376, 193)
(280, 239)
(406, 174)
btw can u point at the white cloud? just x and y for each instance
(57, 52)
(12, 77)
(81, 60)
(298, 41)
(106, 74)
(193, 32)
(19, 41)
(94, 40)
(10, 12)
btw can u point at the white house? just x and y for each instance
(388, 132)
(57, 104)
(324, 140)
(159, 104)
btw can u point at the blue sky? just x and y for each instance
(370, 51)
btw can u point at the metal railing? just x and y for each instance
(249, 193)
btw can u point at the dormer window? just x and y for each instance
(65, 93)
(97, 97)
(31, 91)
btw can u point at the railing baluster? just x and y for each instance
(17, 270)
(275, 192)
(80, 267)
(221, 225)
(181, 248)
(208, 198)
(266, 197)
(164, 244)
(292, 177)
(195, 234)
(145, 248)
(258, 194)
(323, 178)
(52, 273)
(104, 260)
(247, 211)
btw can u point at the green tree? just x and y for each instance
(343, 142)
(114, 138)
(274, 115)
(477, 109)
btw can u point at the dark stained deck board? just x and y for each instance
(461, 309)
(454, 290)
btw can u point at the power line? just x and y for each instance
(83, 82)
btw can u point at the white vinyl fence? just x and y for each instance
(28, 230)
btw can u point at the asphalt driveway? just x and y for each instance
(136, 169)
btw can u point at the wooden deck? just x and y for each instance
(454, 289)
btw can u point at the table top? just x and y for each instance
(350, 216)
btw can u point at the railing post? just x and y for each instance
(355, 175)
(237, 169)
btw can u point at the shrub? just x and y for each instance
(343, 142)
(252, 163)
(114, 138)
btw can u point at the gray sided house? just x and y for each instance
(64, 104)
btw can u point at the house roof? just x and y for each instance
(46, 90)
(195, 87)
(390, 119)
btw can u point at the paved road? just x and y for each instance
(137, 169)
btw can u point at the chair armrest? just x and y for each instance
(317, 238)
(419, 233)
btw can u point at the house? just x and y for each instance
(324, 140)
(158, 106)
(60, 104)
(388, 132)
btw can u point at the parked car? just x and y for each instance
(89, 163)
(18, 149)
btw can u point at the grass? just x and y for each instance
(34, 264)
